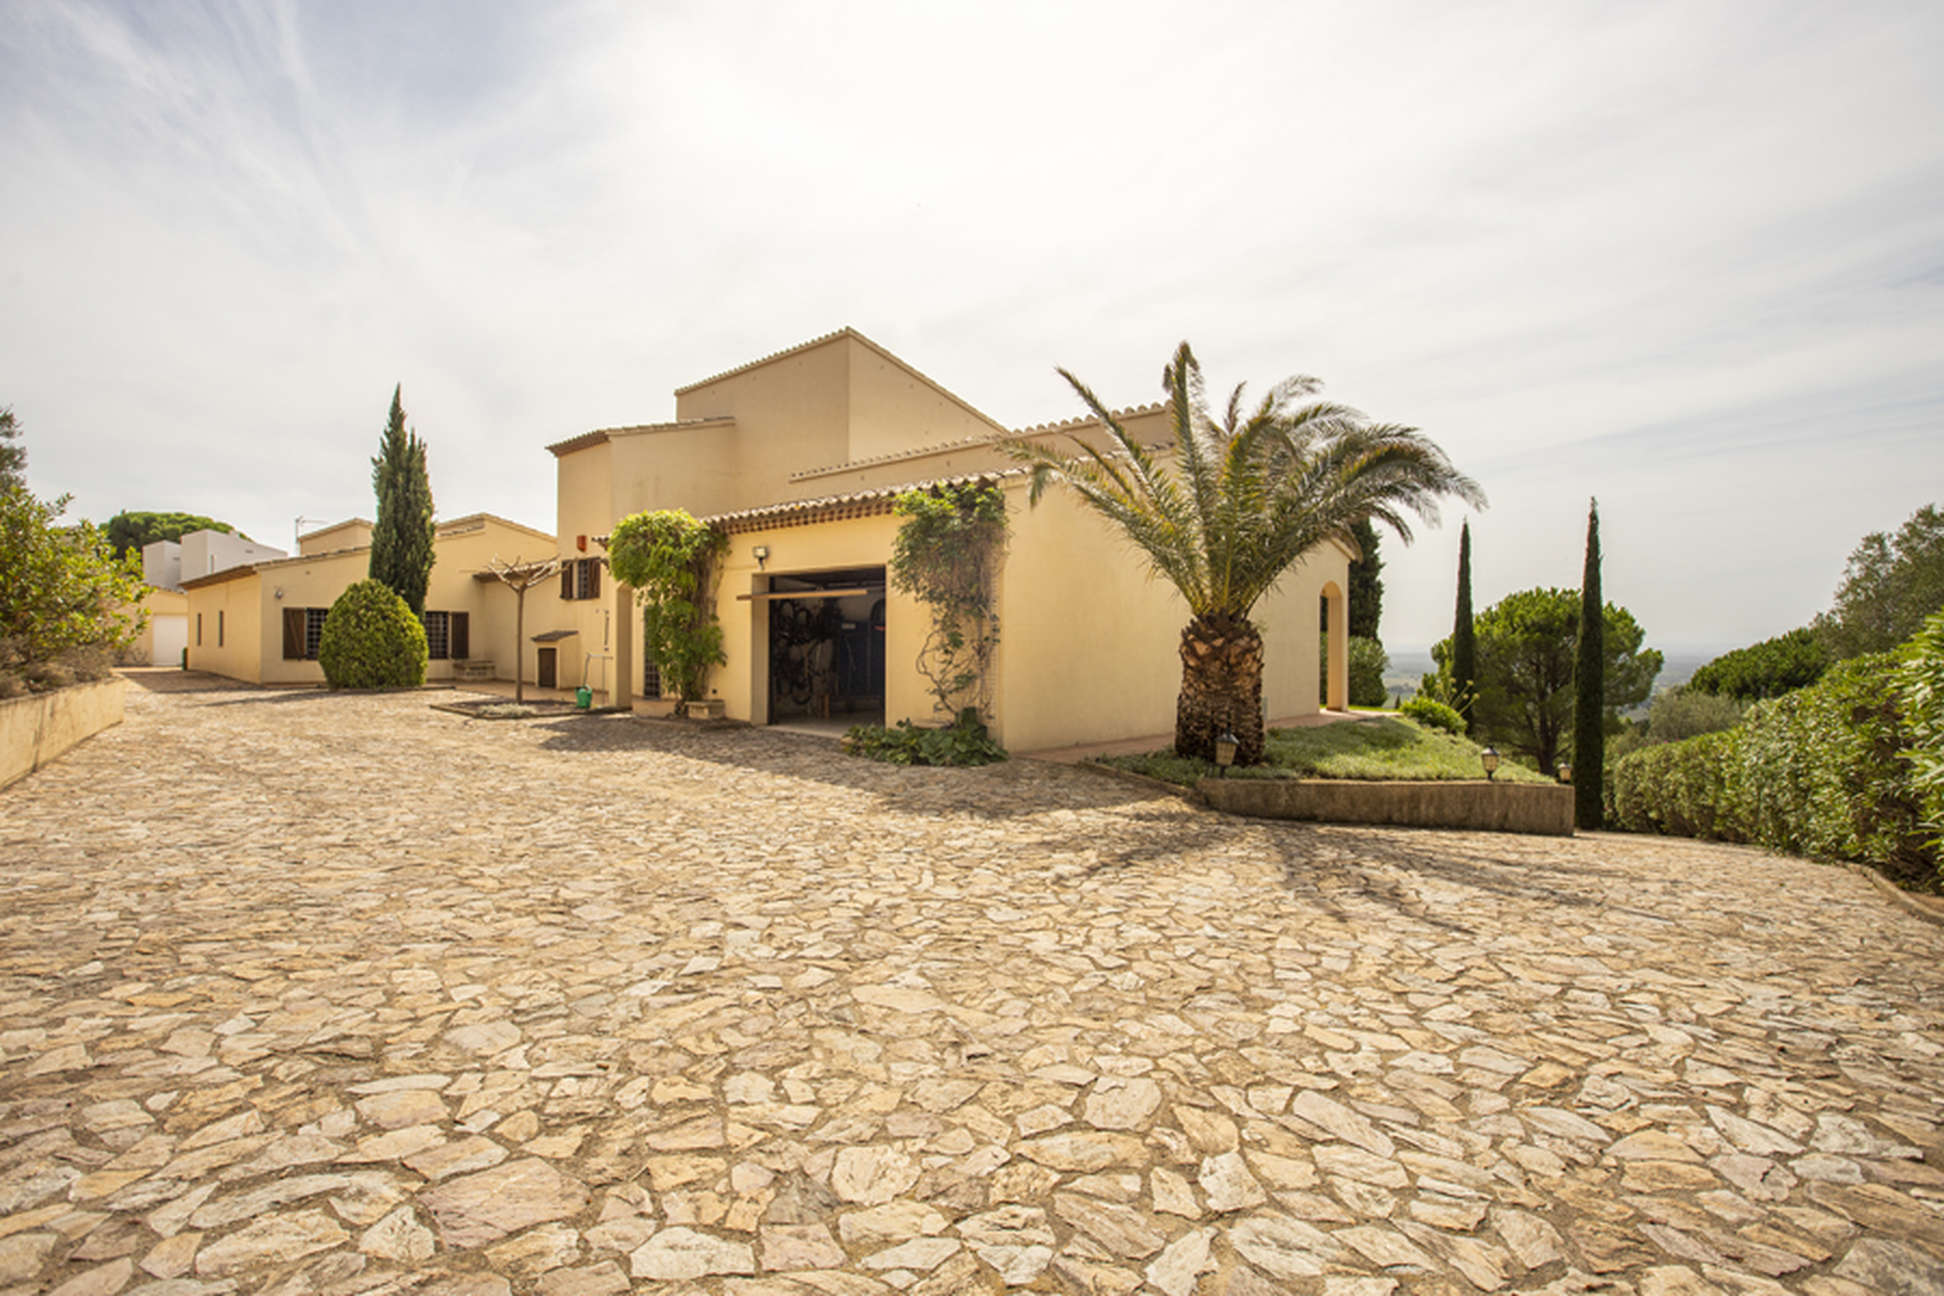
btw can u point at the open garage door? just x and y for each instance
(826, 647)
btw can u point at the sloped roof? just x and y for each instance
(830, 508)
(598, 435)
(826, 339)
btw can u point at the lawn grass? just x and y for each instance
(1386, 747)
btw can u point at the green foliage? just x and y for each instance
(1382, 747)
(1366, 585)
(13, 455)
(963, 743)
(946, 556)
(1765, 670)
(1889, 586)
(1677, 714)
(131, 531)
(1589, 688)
(1367, 662)
(66, 601)
(1461, 677)
(1527, 644)
(1826, 770)
(401, 539)
(372, 640)
(1921, 685)
(672, 561)
(1433, 715)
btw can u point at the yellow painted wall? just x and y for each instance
(858, 542)
(348, 534)
(231, 620)
(791, 413)
(156, 602)
(893, 409)
(689, 468)
(1089, 641)
(583, 495)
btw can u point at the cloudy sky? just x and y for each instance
(1686, 257)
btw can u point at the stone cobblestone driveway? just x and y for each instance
(302, 993)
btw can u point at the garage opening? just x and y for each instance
(826, 647)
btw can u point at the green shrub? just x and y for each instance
(963, 743)
(1429, 711)
(372, 640)
(1368, 661)
(1764, 670)
(1922, 686)
(1826, 771)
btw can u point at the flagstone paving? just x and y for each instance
(302, 993)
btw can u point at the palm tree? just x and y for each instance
(1232, 507)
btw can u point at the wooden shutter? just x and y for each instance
(459, 636)
(593, 578)
(567, 580)
(293, 623)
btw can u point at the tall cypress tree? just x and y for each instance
(1464, 647)
(1589, 688)
(401, 541)
(1366, 585)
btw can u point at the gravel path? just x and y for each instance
(304, 993)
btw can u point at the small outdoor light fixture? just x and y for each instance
(1489, 758)
(1225, 744)
(761, 553)
(1565, 771)
(279, 591)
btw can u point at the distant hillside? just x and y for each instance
(1410, 665)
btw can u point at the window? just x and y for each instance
(302, 629)
(219, 628)
(651, 681)
(198, 629)
(438, 628)
(313, 630)
(580, 578)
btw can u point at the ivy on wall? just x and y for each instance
(946, 556)
(672, 561)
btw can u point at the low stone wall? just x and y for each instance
(37, 729)
(1472, 803)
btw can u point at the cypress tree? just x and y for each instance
(1464, 647)
(1366, 585)
(1589, 688)
(401, 540)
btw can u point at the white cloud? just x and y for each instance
(1682, 257)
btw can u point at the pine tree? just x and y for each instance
(401, 541)
(1589, 686)
(13, 455)
(1464, 645)
(1366, 585)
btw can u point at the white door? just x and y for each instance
(171, 636)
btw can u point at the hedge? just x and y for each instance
(371, 640)
(1826, 771)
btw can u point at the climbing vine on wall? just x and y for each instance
(947, 557)
(671, 560)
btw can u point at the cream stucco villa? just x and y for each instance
(798, 457)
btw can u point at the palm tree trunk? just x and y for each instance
(1221, 687)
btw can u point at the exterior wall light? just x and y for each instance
(1225, 744)
(1565, 772)
(1489, 758)
(761, 554)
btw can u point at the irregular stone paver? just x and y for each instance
(302, 993)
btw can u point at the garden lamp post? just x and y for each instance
(1225, 744)
(1565, 772)
(1489, 758)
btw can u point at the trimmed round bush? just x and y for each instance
(371, 640)
(1429, 711)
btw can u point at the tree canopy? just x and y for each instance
(1526, 644)
(62, 591)
(13, 455)
(1239, 500)
(1765, 670)
(401, 538)
(1890, 585)
(131, 531)
(1366, 584)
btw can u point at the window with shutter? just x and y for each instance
(593, 577)
(293, 634)
(461, 636)
(437, 639)
(313, 630)
(567, 580)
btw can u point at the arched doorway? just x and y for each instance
(1334, 646)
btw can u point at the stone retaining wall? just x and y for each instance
(1472, 803)
(37, 729)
